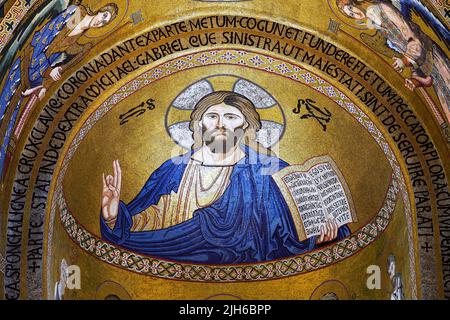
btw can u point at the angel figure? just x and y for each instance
(52, 50)
(429, 64)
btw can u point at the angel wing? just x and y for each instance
(407, 7)
(9, 95)
(377, 42)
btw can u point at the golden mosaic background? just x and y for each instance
(359, 157)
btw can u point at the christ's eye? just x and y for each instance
(230, 117)
(211, 116)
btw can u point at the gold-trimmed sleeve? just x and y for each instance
(149, 219)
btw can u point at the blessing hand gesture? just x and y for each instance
(111, 193)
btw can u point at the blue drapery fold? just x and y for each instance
(42, 39)
(250, 222)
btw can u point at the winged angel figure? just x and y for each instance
(399, 36)
(52, 49)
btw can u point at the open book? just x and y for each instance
(315, 192)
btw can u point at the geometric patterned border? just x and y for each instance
(12, 19)
(442, 6)
(270, 64)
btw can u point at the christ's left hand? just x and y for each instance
(328, 232)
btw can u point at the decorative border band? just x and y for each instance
(12, 19)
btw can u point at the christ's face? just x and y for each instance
(222, 127)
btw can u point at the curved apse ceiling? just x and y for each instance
(212, 149)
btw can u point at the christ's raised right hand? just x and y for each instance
(111, 193)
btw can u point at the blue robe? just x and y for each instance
(42, 39)
(250, 222)
(39, 64)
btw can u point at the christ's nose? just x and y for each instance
(219, 123)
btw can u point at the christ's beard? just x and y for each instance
(222, 140)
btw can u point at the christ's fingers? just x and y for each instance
(322, 234)
(109, 180)
(335, 229)
(119, 176)
(326, 232)
(115, 173)
(329, 230)
(104, 181)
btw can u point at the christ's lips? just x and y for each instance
(217, 133)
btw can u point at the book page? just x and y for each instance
(308, 201)
(314, 192)
(332, 192)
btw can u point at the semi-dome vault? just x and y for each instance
(209, 149)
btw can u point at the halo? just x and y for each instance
(178, 114)
(349, 22)
(114, 26)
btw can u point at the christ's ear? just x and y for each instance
(246, 125)
(200, 124)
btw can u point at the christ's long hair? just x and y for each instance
(233, 99)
